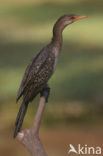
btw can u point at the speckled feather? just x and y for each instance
(37, 74)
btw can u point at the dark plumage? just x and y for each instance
(40, 68)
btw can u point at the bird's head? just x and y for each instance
(65, 20)
(68, 19)
(62, 22)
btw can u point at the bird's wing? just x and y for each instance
(32, 69)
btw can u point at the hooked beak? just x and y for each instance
(75, 18)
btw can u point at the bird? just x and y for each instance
(41, 68)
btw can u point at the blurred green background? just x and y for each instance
(74, 112)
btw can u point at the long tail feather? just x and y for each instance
(20, 117)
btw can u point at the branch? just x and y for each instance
(30, 137)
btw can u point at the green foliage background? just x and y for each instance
(76, 86)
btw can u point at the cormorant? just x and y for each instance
(41, 68)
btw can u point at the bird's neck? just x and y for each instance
(57, 36)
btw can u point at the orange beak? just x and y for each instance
(75, 18)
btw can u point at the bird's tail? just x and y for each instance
(20, 117)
